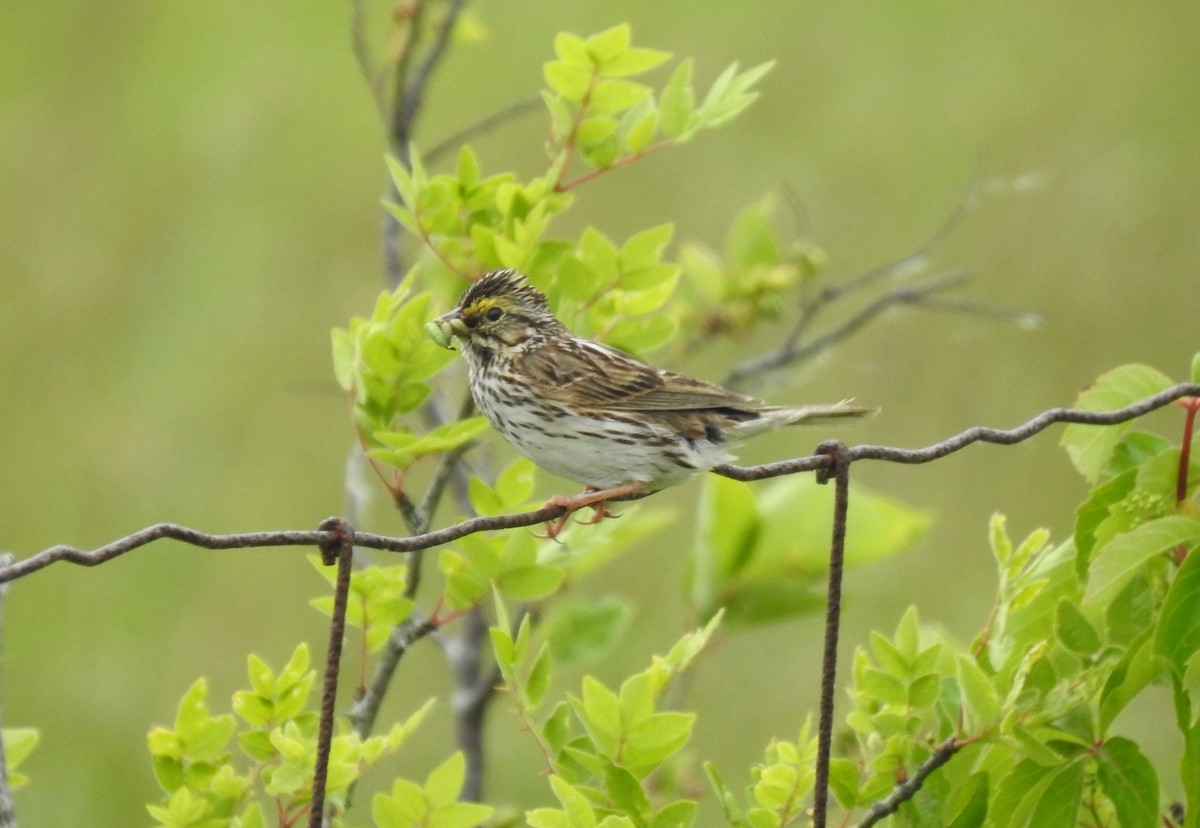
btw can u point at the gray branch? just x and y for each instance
(907, 789)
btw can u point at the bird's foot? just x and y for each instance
(596, 498)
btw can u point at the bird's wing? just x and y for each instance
(592, 375)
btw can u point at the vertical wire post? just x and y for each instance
(839, 470)
(338, 549)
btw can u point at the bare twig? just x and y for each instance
(797, 344)
(451, 533)
(485, 124)
(839, 470)
(909, 787)
(409, 94)
(403, 636)
(472, 691)
(409, 100)
(794, 350)
(362, 52)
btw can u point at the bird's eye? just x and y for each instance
(493, 314)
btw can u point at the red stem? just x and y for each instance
(1191, 405)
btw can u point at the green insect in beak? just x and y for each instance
(447, 326)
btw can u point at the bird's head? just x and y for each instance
(499, 311)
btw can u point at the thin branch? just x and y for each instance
(362, 52)
(792, 350)
(470, 526)
(404, 635)
(413, 94)
(410, 85)
(909, 787)
(465, 655)
(415, 627)
(795, 346)
(484, 125)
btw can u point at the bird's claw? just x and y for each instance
(596, 498)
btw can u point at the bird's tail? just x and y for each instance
(779, 415)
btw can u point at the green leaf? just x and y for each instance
(1091, 447)
(571, 48)
(446, 780)
(625, 792)
(677, 103)
(1135, 448)
(1132, 674)
(641, 334)
(530, 583)
(1034, 747)
(844, 781)
(574, 803)
(1119, 560)
(679, 814)
(1059, 802)
(633, 61)
(1177, 637)
(343, 358)
(548, 818)
(402, 809)
(653, 739)
(882, 687)
(980, 702)
(1130, 783)
(515, 483)
(608, 44)
(1096, 510)
(250, 817)
(570, 81)
(19, 742)
(730, 93)
(999, 540)
(638, 127)
(646, 247)
(539, 677)
(1019, 792)
(253, 709)
(751, 240)
(581, 632)
(468, 168)
(595, 130)
(690, 645)
(460, 815)
(924, 690)
(763, 562)
(612, 96)
(600, 713)
(1074, 630)
(599, 255)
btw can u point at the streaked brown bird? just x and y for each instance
(591, 413)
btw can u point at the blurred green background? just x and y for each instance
(189, 202)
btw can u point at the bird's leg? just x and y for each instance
(596, 498)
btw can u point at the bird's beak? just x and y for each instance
(447, 326)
